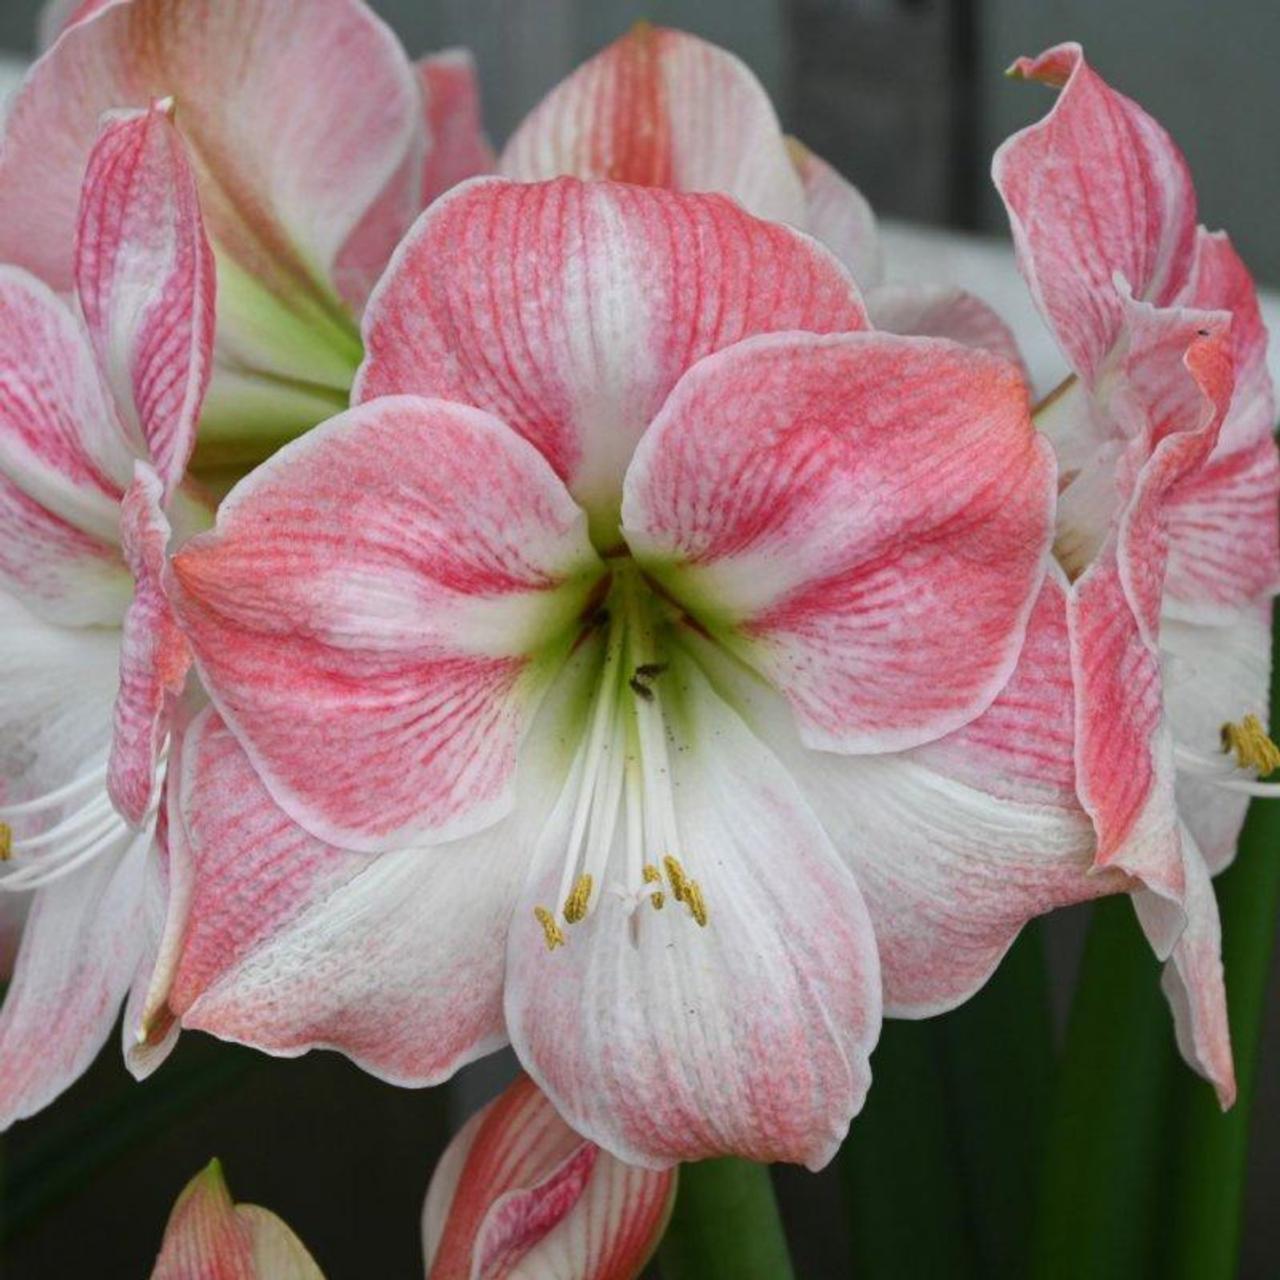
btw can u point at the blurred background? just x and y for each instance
(908, 99)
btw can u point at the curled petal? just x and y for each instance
(208, 1237)
(383, 600)
(837, 213)
(813, 501)
(459, 148)
(145, 279)
(662, 108)
(518, 1188)
(570, 310)
(1094, 189)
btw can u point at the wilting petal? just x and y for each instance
(459, 148)
(154, 657)
(1213, 675)
(1095, 188)
(518, 1188)
(297, 112)
(810, 500)
(79, 951)
(272, 921)
(570, 309)
(663, 1041)
(940, 311)
(210, 1238)
(662, 108)
(955, 845)
(145, 279)
(375, 613)
(837, 213)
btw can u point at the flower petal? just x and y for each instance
(208, 1237)
(570, 310)
(518, 1186)
(796, 496)
(1095, 188)
(145, 280)
(662, 1041)
(837, 213)
(662, 108)
(942, 311)
(459, 148)
(154, 657)
(376, 611)
(270, 918)
(65, 996)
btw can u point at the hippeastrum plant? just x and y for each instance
(653, 667)
(663, 108)
(1167, 521)
(518, 1193)
(97, 421)
(311, 135)
(208, 1237)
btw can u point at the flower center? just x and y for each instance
(622, 776)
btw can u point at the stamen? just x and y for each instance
(6, 841)
(679, 881)
(652, 875)
(1252, 747)
(575, 905)
(693, 900)
(550, 930)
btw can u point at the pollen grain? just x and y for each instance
(550, 930)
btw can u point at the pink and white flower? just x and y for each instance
(1167, 519)
(97, 418)
(208, 1237)
(600, 676)
(517, 1192)
(311, 136)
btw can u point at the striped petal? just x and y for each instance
(941, 311)
(518, 1192)
(459, 148)
(570, 310)
(837, 213)
(864, 518)
(1094, 189)
(145, 281)
(661, 108)
(378, 609)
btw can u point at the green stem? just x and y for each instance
(1096, 1203)
(1207, 1174)
(901, 1168)
(1000, 1064)
(725, 1225)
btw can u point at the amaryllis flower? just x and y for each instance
(311, 137)
(208, 1236)
(664, 108)
(1168, 517)
(97, 419)
(585, 683)
(517, 1192)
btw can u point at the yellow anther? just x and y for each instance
(6, 841)
(693, 900)
(575, 905)
(1252, 748)
(675, 873)
(550, 930)
(653, 876)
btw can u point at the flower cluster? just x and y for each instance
(568, 598)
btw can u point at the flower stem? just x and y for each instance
(725, 1225)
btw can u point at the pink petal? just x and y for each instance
(208, 1237)
(370, 613)
(570, 310)
(518, 1188)
(838, 214)
(663, 1041)
(58, 15)
(459, 148)
(662, 108)
(145, 279)
(940, 311)
(64, 999)
(794, 496)
(1095, 188)
(154, 657)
